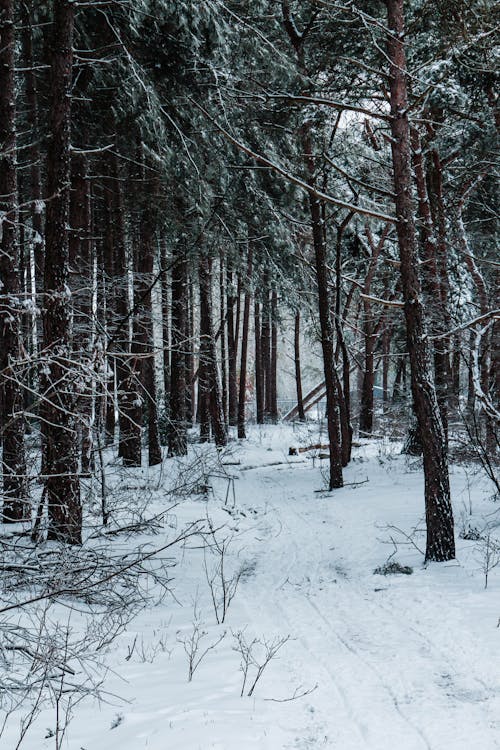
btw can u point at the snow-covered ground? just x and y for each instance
(400, 662)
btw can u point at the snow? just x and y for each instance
(408, 662)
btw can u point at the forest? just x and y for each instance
(249, 374)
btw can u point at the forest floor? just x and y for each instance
(364, 660)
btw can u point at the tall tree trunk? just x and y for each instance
(244, 350)
(58, 381)
(165, 311)
(439, 515)
(80, 262)
(259, 373)
(210, 350)
(147, 256)
(223, 337)
(232, 349)
(343, 389)
(15, 489)
(265, 344)
(298, 374)
(128, 374)
(321, 267)
(326, 324)
(177, 436)
(273, 398)
(108, 300)
(189, 349)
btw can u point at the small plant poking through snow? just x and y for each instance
(255, 656)
(393, 568)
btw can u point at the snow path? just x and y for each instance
(387, 673)
(402, 662)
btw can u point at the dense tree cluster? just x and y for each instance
(179, 178)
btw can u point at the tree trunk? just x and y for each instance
(439, 515)
(210, 352)
(128, 374)
(147, 253)
(58, 381)
(298, 375)
(223, 337)
(232, 349)
(244, 350)
(109, 302)
(15, 490)
(165, 312)
(259, 373)
(177, 436)
(326, 325)
(273, 398)
(80, 263)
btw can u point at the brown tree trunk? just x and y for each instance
(145, 302)
(232, 349)
(109, 302)
(128, 373)
(165, 311)
(321, 267)
(177, 436)
(298, 374)
(210, 353)
(58, 382)
(439, 515)
(259, 373)
(80, 262)
(189, 349)
(223, 337)
(326, 325)
(265, 344)
(15, 490)
(244, 351)
(273, 398)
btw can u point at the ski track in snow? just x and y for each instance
(344, 618)
(391, 663)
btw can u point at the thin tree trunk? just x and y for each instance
(322, 276)
(177, 436)
(326, 325)
(58, 383)
(265, 343)
(223, 337)
(128, 374)
(80, 261)
(244, 351)
(147, 246)
(273, 399)
(189, 348)
(108, 300)
(259, 374)
(15, 488)
(298, 375)
(232, 350)
(439, 516)
(165, 311)
(211, 369)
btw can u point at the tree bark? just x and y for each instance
(244, 351)
(259, 373)
(273, 398)
(210, 353)
(232, 348)
(15, 490)
(298, 374)
(58, 381)
(439, 516)
(177, 434)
